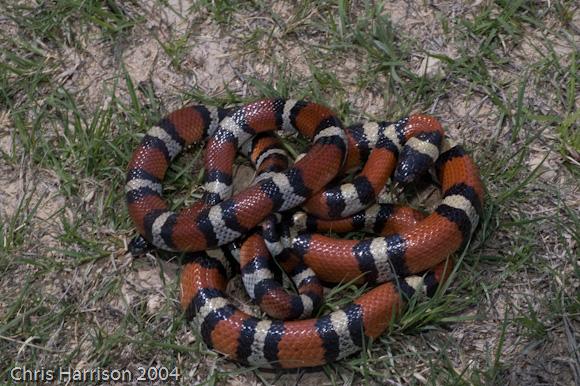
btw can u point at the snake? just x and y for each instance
(409, 253)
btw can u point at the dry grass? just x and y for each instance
(80, 81)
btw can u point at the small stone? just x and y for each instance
(431, 67)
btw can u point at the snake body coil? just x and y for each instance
(408, 243)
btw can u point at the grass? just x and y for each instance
(508, 88)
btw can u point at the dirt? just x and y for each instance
(212, 59)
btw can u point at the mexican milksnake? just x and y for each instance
(408, 244)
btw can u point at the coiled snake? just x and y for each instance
(407, 242)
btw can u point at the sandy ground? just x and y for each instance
(215, 59)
